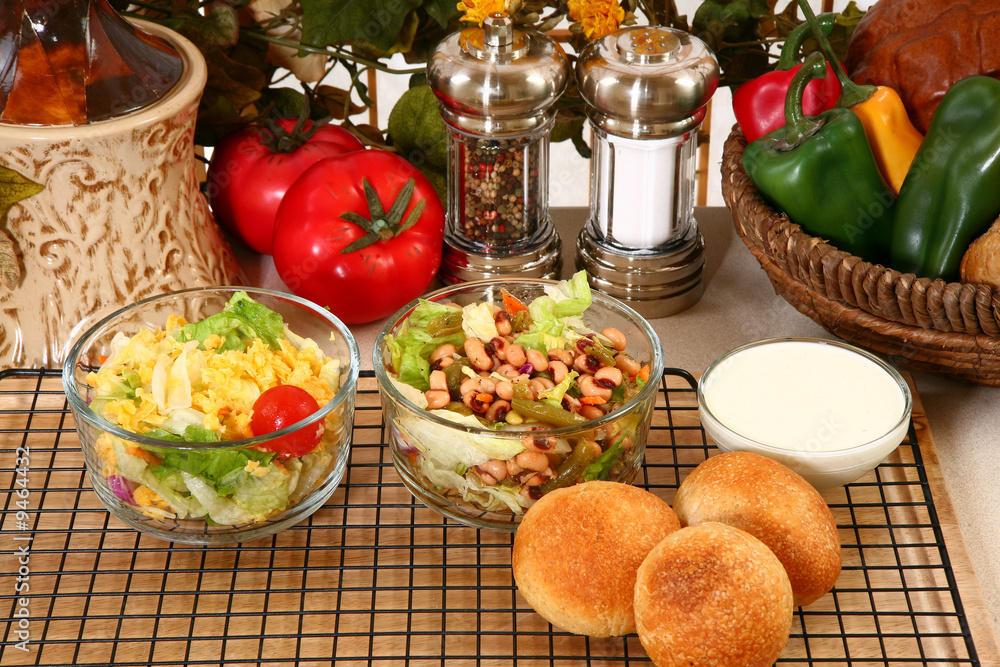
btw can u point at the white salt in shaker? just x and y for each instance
(646, 89)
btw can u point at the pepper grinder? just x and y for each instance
(497, 85)
(646, 89)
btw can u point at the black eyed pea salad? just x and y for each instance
(533, 370)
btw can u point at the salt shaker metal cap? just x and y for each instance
(647, 82)
(497, 86)
(646, 89)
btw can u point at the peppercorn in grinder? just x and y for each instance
(497, 85)
(646, 89)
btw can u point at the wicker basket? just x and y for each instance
(949, 329)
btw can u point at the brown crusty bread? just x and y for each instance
(981, 262)
(577, 550)
(712, 595)
(774, 504)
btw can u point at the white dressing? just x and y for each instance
(804, 396)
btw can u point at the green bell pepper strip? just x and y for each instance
(951, 193)
(820, 171)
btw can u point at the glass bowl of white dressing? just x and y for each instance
(826, 409)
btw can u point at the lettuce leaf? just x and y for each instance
(242, 320)
(428, 326)
(562, 305)
(213, 466)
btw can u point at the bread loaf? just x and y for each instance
(774, 504)
(577, 551)
(712, 595)
(981, 262)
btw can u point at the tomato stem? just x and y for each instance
(382, 225)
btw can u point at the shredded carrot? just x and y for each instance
(149, 457)
(102, 358)
(511, 303)
(592, 400)
(484, 398)
(644, 373)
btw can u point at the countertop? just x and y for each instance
(740, 306)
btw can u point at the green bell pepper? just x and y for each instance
(820, 171)
(951, 193)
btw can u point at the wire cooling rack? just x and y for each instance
(373, 578)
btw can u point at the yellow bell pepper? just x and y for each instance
(893, 138)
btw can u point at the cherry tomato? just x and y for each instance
(360, 233)
(251, 169)
(282, 406)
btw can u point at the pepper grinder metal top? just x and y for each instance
(646, 88)
(497, 85)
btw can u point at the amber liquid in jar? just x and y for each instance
(497, 199)
(72, 62)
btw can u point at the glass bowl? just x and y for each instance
(451, 488)
(828, 410)
(200, 492)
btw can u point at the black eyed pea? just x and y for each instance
(608, 376)
(469, 386)
(537, 360)
(497, 411)
(616, 337)
(559, 354)
(499, 346)
(586, 363)
(495, 468)
(437, 398)
(484, 477)
(570, 403)
(441, 352)
(591, 412)
(476, 351)
(626, 364)
(513, 468)
(589, 386)
(558, 370)
(534, 461)
(515, 355)
(505, 390)
(438, 380)
(502, 321)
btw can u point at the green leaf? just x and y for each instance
(219, 29)
(13, 188)
(327, 22)
(417, 130)
(442, 11)
(232, 87)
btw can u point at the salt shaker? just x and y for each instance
(497, 85)
(646, 89)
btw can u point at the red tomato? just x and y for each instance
(327, 215)
(282, 406)
(248, 175)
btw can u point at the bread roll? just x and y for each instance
(712, 595)
(577, 550)
(981, 262)
(774, 504)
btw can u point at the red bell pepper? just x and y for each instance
(759, 104)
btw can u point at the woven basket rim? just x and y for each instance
(793, 255)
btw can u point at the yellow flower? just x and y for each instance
(477, 10)
(597, 18)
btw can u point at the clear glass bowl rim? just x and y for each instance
(82, 409)
(651, 387)
(892, 372)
